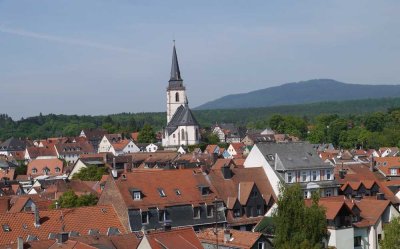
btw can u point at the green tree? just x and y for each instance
(90, 173)
(296, 225)
(70, 200)
(375, 122)
(391, 239)
(147, 134)
(212, 138)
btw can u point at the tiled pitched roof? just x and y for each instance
(7, 173)
(149, 182)
(41, 164)
(176, 238)
(74, 148)
(35, 152)
(244, 191)
(4, 204)
(13, 144)
(210, 148)
(384, 164)
(239, 239)
(121, 144)
(52, 221)
(371, 210)
(183, 116)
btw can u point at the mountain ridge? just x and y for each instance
(302, 92)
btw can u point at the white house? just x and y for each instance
(116, 145)
(294, 163)
(182, 127)
(151, 148)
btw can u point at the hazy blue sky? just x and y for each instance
(103, 56)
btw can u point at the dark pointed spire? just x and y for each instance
(175, 72)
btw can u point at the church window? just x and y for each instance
(197, 134)
(183, 134)
(176, 97)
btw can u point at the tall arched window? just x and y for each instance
(176, 97)
(197, 134)
(183, 134)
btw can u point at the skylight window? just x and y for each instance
(177, 192)
(161, 192)
(6, 228)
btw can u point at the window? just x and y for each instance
(379, 237)
(357, 241)
(183, 134)
(289, 177)
(306, 194)
(161, 215)
(271, 157)
(328, 192)
(46, 171)
(34, 171)
(236, 212)
(176, 97)
(197, 134)
(259, 210)
(314, 175)
(173, 135)
(177, 192)
(145, 217)
(328, 174)
(393, 172)
(136, 195)
(205, 190)
(261, 245)
(254, 193)
(57, 170)
(6, 228)
(210, 211)
(161, 192)
(196, 212)
(304, 176)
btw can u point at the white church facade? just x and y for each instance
(182, 127)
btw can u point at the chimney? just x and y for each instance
(20, 243)
(226, 172)
(167, 226)
(62, 237)
(36, 214)
(227, 235)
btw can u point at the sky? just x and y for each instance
(107, 56)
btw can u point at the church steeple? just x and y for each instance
(175, 72)
(175, 81)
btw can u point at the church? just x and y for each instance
(182, 127)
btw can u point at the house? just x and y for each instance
(236, 150)
(228, 132)
(388, 151)
(230, 238)
(147, 199)
(116, 145)
(93, 136)
(48, 167)
(12, 145)
(70, 152)
(251, 138)
(153, 148)
(388, 166)
(212, 149)
(86, 162)
(48, 152)
(171, 239)
(182, 127)
(294, 163)
(42, 225)
(356, 223)
(246, 192)
(158, 159)
(27, 203)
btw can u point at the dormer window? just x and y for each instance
(393, 172)
(145, 217)
(236, 212)
(271, 157)
(136, 194)
(58, 170)
(205, 190)
(46, 171)
(161, 192)
(34, 171)
(177, 192)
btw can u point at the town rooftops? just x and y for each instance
(45, 167)
(79, 220)
(291, 156)
(74, 148)
(236, 239)
(12, 144)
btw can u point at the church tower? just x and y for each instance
(182, 127)
(176, 92)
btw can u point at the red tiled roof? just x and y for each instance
(41, 164)
(4, 204)
(7, 173)
(150, 181)
(134, 136)
(52, 221)
(176, 238)
(244, 191)
(74, 148)
(35, 152)
(121, 144)
(210, 148)
(384, 164)
(239, 239)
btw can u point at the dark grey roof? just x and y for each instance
(13, 144)
(289, 156)
(182, 117)
(175, 82)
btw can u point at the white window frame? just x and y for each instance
(304, 174)
(289, 177)
(137, 195)
(312, 175)
(328, 192)
(328, 173)
(393, 171)
(147, 217)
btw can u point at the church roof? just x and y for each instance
(175, 82)
(182, 117)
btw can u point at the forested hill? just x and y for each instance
(51, 125)
(302, 92)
